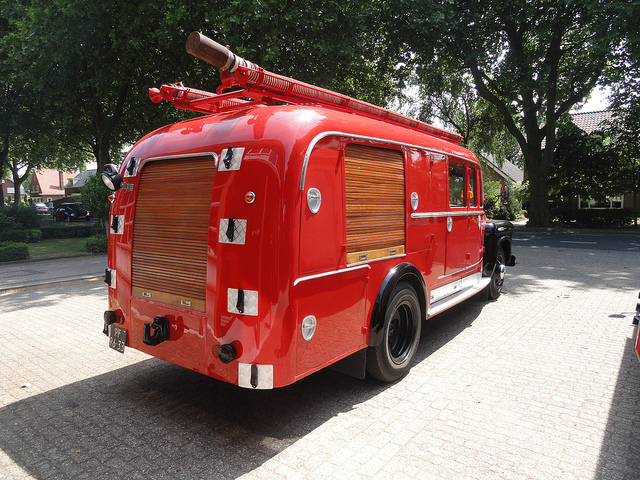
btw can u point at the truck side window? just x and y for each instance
(473, 194)
(456, 184)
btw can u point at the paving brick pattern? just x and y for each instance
(541, 384)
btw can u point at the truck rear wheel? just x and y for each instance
(497, 278)
(392, 358)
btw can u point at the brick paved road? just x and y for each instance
(541, 384)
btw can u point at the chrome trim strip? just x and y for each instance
(322, 135)
(183, 155)
(467, 213)
(461, 270)
(327, 274)
(371, 260)
(451, 300)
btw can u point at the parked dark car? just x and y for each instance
(70, 212)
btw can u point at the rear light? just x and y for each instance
(110, 318)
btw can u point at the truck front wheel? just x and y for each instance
(497, 278)
(392, 358)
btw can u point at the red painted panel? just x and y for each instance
(322, 234)
(338, 303)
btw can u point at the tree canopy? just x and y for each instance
(588, 165)
(532, 60)
(87, 65)
(74, 74)
(450, 98)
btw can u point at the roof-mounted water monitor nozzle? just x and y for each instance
(213, 53)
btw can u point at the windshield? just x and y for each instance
(75, 208)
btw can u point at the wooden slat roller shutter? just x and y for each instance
(170, 231)
(374, 184)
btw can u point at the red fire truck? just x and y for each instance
(292, 228)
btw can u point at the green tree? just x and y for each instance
(39, 151)
(27, 137)
(95, 197)
(532, 60)
(624, 127)
(588, 165)
(89, 64)
(624, 130)
(81, 61)
(342, 46)
(453, 102)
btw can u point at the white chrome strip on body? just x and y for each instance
(183, 155)
(461, 270)
(327, 274)
(466, 213)
(319, 137)
(446, 297)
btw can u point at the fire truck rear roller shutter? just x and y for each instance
(171, 229)
(374, 180)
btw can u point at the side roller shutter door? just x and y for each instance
(170, 231)
(374, 184)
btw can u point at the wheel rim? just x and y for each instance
(400, 334)
(498, 274)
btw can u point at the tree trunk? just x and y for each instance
(101, 150)
(538, 197)
(105, 125)
(4, 155)
(17, 179)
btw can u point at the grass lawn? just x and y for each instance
(57, 247)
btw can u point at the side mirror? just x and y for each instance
(504, 195)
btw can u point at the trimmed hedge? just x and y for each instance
(594, 218)
(13, 251)
(65, 231)
(21, 236)
(22, 216)
(97, 243)
(98, 230)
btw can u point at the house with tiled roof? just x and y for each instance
(9, 191)
(47, 184)
(507, 173)
(75, 184)
(590, 122)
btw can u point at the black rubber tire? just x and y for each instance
(392, 359)
(494, 289)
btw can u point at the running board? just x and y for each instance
(460, 296)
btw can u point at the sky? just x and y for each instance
(597, 102)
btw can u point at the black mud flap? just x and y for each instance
(355, 365)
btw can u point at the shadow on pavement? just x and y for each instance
(46, 297)
(157, 420)
(620, 451)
